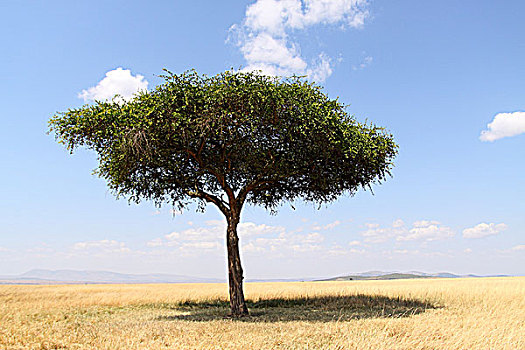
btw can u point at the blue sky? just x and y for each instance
(435, 74)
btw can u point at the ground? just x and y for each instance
(475, 313)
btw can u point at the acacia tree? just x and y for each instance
(228, 140)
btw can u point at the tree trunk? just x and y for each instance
(235, 277)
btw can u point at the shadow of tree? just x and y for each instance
(314, 309)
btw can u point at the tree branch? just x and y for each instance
(197, 193)
(243, 194)
(219, 177)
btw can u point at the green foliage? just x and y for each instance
(229, 139)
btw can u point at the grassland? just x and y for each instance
(477, 313)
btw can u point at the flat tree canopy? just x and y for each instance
(230, 139)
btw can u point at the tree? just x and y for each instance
(228, 140)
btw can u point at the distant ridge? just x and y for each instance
(40, 276)
(380, 275)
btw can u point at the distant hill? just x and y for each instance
(379, 275)
(387, 276)
(73, 276)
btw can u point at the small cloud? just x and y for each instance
(367, 61)
(504, 125)
(40, 248)
(286, 242)
(321, 69)
(354, 243)
(105, 245)
(398, 223)
(247, 229)
(424, 230)
(483, 230)
(330, 226)
(172, 236)
(312, 238)
(201, 245)
(157, 242)
(376, 234)
(468, 251)
(194, 240)
(250, 247)
(272, 56)
(518, 247)
(116, 82)
(428, 231)
(357, 251)
(337, 250)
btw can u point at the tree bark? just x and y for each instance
(235, 274)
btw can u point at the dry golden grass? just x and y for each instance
(481, 313)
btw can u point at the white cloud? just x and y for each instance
(377, 234)
(504, 125)
(247, 229)
(194, 240)
(251, 247)
(272, 56)
(201, 245)
(428, 231)
(357, 251)
(157, 242)
(337, 250)
(270, 15)
(365, 63)
(212, 232)
(424, 230)
(321, 69)
(104, 245)
(116, 82)
(392, 254)
(330, 226)
(288, 241)
(172, 236)
(518, 247)
(398, 223)
(483, 230)
(264, 37)
(40, 248)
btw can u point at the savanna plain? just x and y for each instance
(474, 313)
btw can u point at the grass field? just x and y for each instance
(477, 313)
